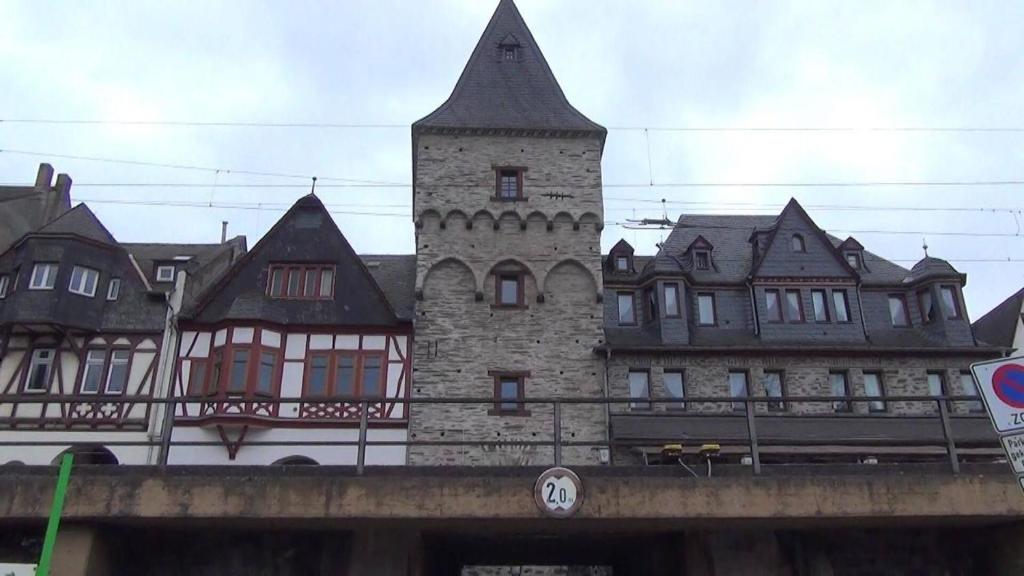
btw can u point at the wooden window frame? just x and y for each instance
(200, 366)
(303, 270)
(640, 403)
(220, 387)
(520, 378)
(881, 392)
(681, 405)
(113, 289)
(672, 288)
(824, 301)
(159, 267)
(741, 405)
(846, 305)
(778, 318)
(499, 175)
(775, 405)
(956, 313)
(618, 307)
(84, 369)
(51, 279)
(49, 372)
(520, 278)
(801, 317)
(702, 257)
(906, 310)
(331, 383)
(841, 406)
(714, 310)
(79, 290)
(109, 370)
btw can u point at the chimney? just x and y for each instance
(223, 231)
(44, 177)
(63, 184)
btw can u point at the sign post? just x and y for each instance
(55, 512)
(1001, 384)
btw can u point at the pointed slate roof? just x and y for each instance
(498, 93)
(305, 234)
(999, 325)
(80, 221)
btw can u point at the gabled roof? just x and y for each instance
(850, 243)
(794, 209)
(999, 325)
(621, 246)
(728, 233)
(497, 93)
(306, 234)
(80, 221)
(700, 242)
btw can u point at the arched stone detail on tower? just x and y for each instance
(563, 221)
(452, 277)
(536, 221)
(589, 221)
(429, 220)
(483, 220)
(510, 220)
(569, 281)
(455, 220)
(511, 265)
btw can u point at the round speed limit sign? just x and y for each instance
(558, 492)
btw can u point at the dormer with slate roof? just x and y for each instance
(300, 316)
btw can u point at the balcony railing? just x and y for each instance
(750, 433)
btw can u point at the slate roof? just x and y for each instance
(80, 221)
(493, 92)
(999, 325)
(396, 276)
(208, 264)
(306, 234)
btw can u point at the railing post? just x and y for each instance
(364, 408)
(755, 455)
(167, 429)
(947, 432)
(558, 433)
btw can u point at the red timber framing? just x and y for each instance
(55, 409)
(327, 398)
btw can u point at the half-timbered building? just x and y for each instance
(292, 348)
(83, 330)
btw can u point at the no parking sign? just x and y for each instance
(1001, 383)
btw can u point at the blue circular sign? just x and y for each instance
(1008, 384)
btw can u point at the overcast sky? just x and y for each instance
(624, 64)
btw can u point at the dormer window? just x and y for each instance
(83, 281)
(113, 289)
(622, 263)
(510, 52)
(798, 243)
(301, 282)
(165, 273)
(509, 184)
(44, 277)
(703, 260)
(5, 282)
(853, 259)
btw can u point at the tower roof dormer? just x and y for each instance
(507, 85)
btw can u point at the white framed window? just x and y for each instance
(706, 309)
(842, 305)
(627, 314)
(639, 389)
(83, 281)
(5, 282)
(738, 388)
(117, 373)
(675, 388)
(165, 273)
(44, 276)
(92, 377)
(39, 370)
(113, 289)
(853, 259)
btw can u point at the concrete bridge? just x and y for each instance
(434, 520)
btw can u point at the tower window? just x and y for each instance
(509, 184)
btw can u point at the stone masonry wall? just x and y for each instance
(463, 237)
(707, 375)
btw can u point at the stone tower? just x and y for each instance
(508, 209)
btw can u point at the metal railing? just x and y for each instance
(161, 436)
